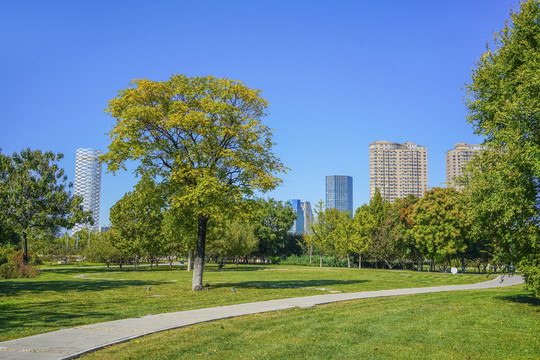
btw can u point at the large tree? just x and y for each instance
(504, 106)
(201, 135)
(34, 195)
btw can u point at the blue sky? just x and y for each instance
(338, 75)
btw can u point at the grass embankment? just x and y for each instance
(482, 324)
(65, 298)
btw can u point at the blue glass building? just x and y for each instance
(298, 225)
(339, 193)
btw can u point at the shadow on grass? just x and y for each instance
(21, 319)
(89, 270)
(287, 284)
(522, 299)
(15, 287)
(234, 268)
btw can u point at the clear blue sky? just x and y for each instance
(338, 74)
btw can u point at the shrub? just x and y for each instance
(32, 259)
(15, 271)
(6, 253)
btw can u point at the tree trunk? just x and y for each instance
(310, 253)
(136, 263)
(348, 261)
(189, 261)
(198, 267)
(320, 259)
(359, 260)
(25, 249)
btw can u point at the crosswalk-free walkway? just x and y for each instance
(71, 343)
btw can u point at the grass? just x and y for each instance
(65, 298)
(490, 324)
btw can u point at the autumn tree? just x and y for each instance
(398, 225)
(504, 107)
(35, 197)
(201, 135)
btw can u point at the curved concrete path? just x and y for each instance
(71, 343)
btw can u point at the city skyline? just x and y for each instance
(337, 77)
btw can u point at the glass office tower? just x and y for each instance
(339, 193)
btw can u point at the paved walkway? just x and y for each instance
(71, 343)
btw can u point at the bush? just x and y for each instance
(6, 254)
(32, 259)
(16, 271)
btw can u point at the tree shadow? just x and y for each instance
(287, 284)
(28, 318)
(15, 287)
(90, 270)
(234, 268)
(522, 299)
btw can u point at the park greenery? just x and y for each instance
(66, 297)
(203, 153)
(482, 324)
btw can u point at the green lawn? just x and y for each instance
(65, 298)
(482, 324)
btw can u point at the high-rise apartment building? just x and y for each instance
(397, 170)
(339, 192)
(456, 159)
(88, 184)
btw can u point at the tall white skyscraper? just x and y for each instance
(88, 184)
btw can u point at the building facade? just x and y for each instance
(298, 225)
(456, 159)
(88, 184)
(397, 170)
(308, 216)
(339, 192)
